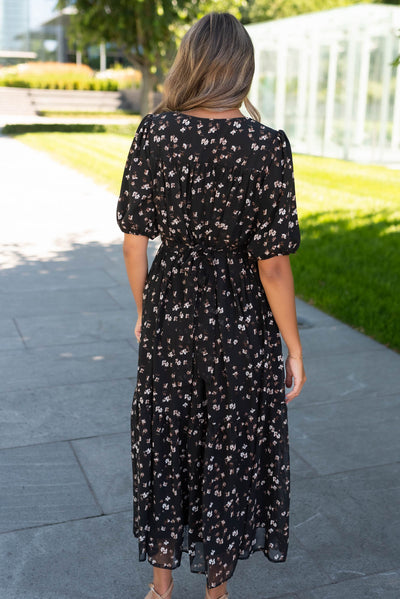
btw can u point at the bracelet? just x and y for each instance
(300, 357)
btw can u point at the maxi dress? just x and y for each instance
(209, 425)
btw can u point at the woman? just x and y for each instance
(210, 452)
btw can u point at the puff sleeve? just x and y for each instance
(277, 231)
(136, 213)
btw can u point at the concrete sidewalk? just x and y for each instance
(68, 358)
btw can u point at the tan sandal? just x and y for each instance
(153, 593)
(224, 596)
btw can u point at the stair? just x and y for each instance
(15, 100)
(28, 102)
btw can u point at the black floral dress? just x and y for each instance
(210, 447)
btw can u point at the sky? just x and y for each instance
(40, 11)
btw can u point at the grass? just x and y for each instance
(101, 156)
(348, 264)
(348, 261)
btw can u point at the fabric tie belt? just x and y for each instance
(201, 247)
(203, 299)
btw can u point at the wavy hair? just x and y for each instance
(213, 68)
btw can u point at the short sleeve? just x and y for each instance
(277, 232)
(136, 213)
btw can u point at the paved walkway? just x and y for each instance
(68, 357)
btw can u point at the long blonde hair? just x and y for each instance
(213, 68)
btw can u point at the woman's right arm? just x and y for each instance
(277, 280)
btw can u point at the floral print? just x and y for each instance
(210, 447)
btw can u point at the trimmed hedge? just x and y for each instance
(41, 83)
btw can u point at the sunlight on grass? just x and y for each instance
(100, 156)
(348, 261)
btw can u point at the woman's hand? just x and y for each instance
(138, 328)
(294, 374)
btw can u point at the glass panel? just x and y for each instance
(267, 86)
(374, 91)
(292, 85)
(340, 95)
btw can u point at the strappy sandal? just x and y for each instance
(153, 593)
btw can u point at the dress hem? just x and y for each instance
(194, 570)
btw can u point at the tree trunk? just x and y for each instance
(147, 92)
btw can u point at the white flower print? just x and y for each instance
(209, 428)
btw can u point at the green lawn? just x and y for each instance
(100, 155)
(348, 263)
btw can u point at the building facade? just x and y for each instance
(326, 78)
(24, 33)
(14, 26)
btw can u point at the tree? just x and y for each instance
(146, 31)
(256, 11)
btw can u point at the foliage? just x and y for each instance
(256, 11)
(146, 31)
(349, 214)
(55, 75)
(125, 77)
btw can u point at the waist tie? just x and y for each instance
(207, 249)
(204, 319)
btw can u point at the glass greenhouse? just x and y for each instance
(326, 79)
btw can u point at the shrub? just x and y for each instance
(61, 76)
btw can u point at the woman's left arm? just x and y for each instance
(135, 256)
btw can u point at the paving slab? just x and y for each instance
(314, 316)
(334, 339)
(78, 256)
(118, 273)
(344, 377)
(90, 558)
(106, 460)
(63, 364)
(343, 435)
(299, 466)
(258, 577)
(10, 337)
(64, 412)
(122, 295)
(56, 301)
(349, 521)
(97, 557)
(34, 280)
(83, 327)
(383, 584)
(43, 484)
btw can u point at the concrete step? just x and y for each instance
(59, 99)
(16, 101)
(22, 101)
